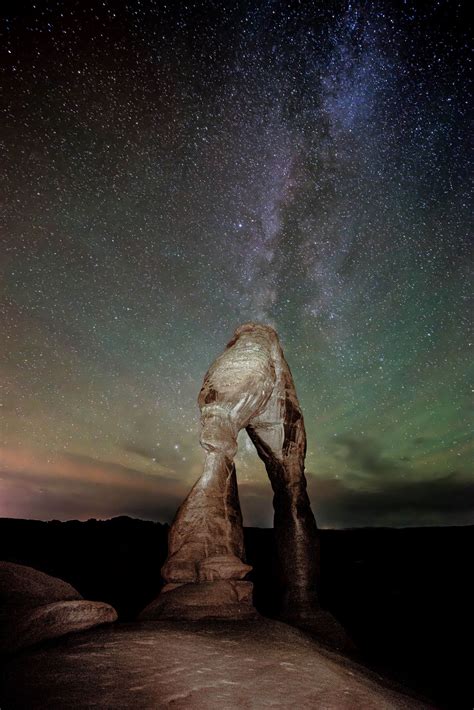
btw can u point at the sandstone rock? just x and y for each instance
(25, 586)
(35, 606)
(249, 386)
(209, 528)
(53, 620)
(221, 599)
(222, 567)
(174, 665)
(323, 626)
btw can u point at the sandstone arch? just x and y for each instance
(248, 386)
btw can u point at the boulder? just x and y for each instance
(28, 587)
(35, 606)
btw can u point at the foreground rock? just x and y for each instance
(24, 587)
(35, 606)
(186, 666)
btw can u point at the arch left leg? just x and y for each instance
(206, 540)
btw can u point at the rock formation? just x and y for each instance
(249, 386)
(200, 665)
(35, 607)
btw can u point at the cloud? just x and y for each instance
(364, 456)
(446, 499)
(420, 440)
(37, 484)
(64, 486)
(386, 500)
(147, 452)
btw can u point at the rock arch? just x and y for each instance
(248, 386)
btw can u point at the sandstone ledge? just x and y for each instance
(186, 666)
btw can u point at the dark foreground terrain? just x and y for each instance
(405, 596)
(244, 665)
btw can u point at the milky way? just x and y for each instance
(172, 170)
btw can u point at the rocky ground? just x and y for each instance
(241, 665)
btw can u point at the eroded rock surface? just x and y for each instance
(22, 586)
(249, 386)
(186, 666)
(35, 606)
(224, 598)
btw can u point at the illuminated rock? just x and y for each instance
(249, 386)
(35, 606)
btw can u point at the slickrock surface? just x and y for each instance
(35, 606)
(244, 665)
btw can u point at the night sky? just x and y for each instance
(172, 169)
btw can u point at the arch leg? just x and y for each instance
(206, 540)
(295, 527)
(205, 567)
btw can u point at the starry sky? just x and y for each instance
(173, 169)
